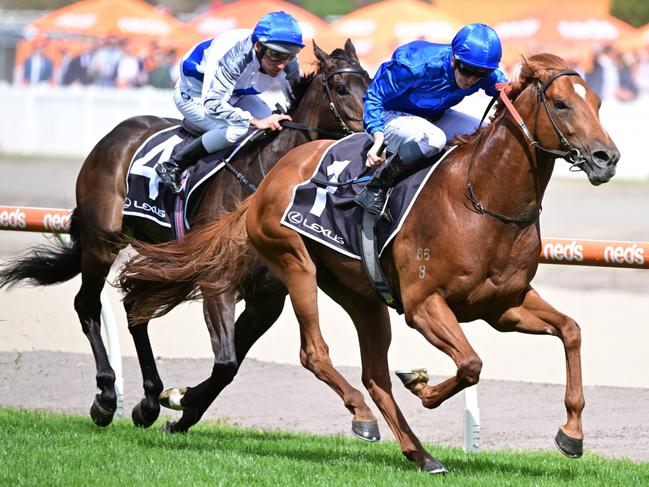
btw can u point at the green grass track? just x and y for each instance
(48, 449)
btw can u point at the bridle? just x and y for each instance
(572, 154)
(332, 106)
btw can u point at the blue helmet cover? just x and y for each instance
(477, 45)
(278, 27)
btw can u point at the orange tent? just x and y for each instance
(246, 14)
(572, 32)
(494, 11)
(133, 19)
(378, 29)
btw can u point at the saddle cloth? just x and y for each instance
(147, 198)
(329, 215)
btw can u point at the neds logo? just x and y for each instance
(13, 219)
(624, 254)
(56, 222)
(572, 252)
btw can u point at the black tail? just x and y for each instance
(45, 264)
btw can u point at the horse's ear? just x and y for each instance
(351, 50)
(323, 58)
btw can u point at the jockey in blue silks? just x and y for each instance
(220, 80)
(408, 104)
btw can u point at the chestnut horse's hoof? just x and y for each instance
(144, 416)
(171, 398)
(366, 430)
(570, 447)
(413, 376)
(432, 466)
(101, 416)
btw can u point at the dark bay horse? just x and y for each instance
(481, 237)
(327, 101)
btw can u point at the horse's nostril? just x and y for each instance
(605, 158)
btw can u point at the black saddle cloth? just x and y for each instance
(328, 214)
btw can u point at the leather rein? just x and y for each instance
(571, 154)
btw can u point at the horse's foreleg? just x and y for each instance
(536, 316)
(147, 410)
(88, 307)
(437, 323)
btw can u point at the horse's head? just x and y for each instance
(567, 120)
(335, 93)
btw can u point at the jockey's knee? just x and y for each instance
(234, 133)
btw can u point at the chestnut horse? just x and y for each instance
(327, 101)
(483, 236)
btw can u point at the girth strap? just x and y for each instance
(372, 265)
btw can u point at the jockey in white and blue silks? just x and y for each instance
(408, 104)
(220, 83)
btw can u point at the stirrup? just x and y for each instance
(168, 173)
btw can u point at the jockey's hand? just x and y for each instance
(374, 159)
(271, 123)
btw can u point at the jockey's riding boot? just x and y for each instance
(372, 197)
(186, 157)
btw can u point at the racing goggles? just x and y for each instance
(278, 57)
(468, 70)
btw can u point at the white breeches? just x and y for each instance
(220, 133)
(431, 137)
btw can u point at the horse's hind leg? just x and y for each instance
(230, 348)
(298, 273)
(536, 316)
(94, 270)
(147, 410)
(373, 327)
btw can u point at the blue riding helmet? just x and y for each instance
(477, 45)
(280, 32)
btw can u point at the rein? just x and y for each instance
(572, 154)
(245, 181)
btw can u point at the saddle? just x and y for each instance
(147, 198)
(323, 207)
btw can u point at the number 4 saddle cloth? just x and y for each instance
(147, 198)
(323, 209)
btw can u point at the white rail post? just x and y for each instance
(471, 420)
(114, 350)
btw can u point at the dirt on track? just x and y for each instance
(270, 396)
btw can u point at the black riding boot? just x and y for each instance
(186, 157)
(372, 197)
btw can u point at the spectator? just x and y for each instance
(161, 76)
(38, 68)
(128, 67)
(103, 66)
(628, 88)
(77, 70)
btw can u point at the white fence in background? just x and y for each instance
(69, 121)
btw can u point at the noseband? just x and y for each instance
(572, 154)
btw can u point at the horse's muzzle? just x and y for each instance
(600, 163)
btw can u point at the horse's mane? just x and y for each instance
(538, 67)
(302, 85)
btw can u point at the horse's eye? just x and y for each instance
(341, 89)
(561, 105)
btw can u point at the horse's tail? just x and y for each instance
(212, 259)
(45, 264)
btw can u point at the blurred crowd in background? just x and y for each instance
(613, 56)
